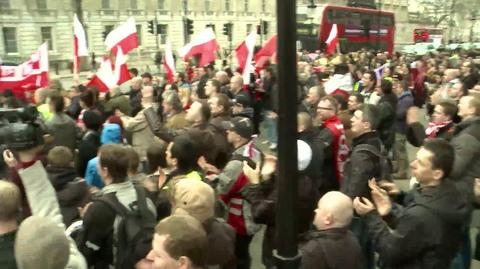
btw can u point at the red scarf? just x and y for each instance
(433, 128)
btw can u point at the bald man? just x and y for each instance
(332, 245)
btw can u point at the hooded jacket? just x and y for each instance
(72, 191)
(425, 234)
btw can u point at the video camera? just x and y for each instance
(19, 129)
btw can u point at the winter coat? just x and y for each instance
(426, 234)
(142, 135)
(42, 201)
(87, 150)
(386, 128)
(96, 240)
(119, 102)
(405, 101)
(416, 133)
(64, 130)
(361, 167)
(72, 191)
(221, 243)
(177, 121)
(336, 248)
(263, 199)
(135, 97)
(466, 142)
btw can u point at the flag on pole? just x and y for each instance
(268, 51)
(104, 79)
(79, 44)
(332, 40)
(203, 45)
(244, 54)
(30, 75)
(379, 72)
(124, 36)
(169, 63)
(121, 69)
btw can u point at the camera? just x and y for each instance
(19, 129)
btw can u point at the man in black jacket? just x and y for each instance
(427, 232)
(362, 165)
(332, 245)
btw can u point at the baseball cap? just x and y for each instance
(240, 125)
(195, 198)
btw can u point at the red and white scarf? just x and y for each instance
(433, 128)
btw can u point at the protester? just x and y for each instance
(436, 214)
(331, 245)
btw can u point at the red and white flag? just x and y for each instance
(121, 69)
(30, 75)
(104, 79)
(79, 44)
(332, 40)
(203, 45)
(124, 36)
(244, 54)
(169, 63)
(267, 52)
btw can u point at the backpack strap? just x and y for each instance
(112, 201)
(373, 150)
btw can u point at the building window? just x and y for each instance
(249, 28)
(106, 4)
(133, 4)
(264, 6)
(162, 31)
(42, 4)
(208, 4)
(46, 33)
(245, 4)
(108, 28)
(139, 34)
(228, 4)
(4, 4)
(161, 4)
(185, 5)
(10, 39)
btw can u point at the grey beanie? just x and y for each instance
(41, 244)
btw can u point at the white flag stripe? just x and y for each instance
(79, 33)
(120, 33)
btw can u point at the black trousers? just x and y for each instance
(242, 244)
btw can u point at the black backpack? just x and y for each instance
(134, 231)
(384, 162)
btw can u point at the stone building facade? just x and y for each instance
(25, 24)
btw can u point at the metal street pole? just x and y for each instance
(286, 254)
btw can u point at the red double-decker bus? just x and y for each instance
(359, 28)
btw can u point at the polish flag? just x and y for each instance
(124, 36)
(79, 43)
(121, 73)
(203, 45)
(104, 79)
(30, 75)
(268, 51)
(332, 40)
(169, 63)
(244, 54)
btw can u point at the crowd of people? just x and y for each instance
(173, 175)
